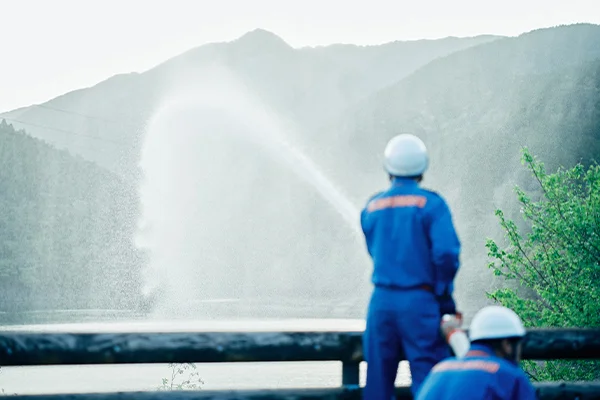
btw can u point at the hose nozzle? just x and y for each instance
(455, 336)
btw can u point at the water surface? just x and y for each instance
(216, 376)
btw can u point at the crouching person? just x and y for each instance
(490, 368)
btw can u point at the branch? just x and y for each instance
(553, 273)
(565, 238)
(172, 376)
(530, 375)
(520, 248)
(583, 237)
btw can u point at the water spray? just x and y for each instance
(201, 121)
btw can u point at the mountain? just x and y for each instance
(475, 109)
(300, 89)
(246, 153)
(500, 79)
(66, 230)
(306, 86)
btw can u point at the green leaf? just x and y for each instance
(555, 259)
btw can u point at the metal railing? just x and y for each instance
(28, 349)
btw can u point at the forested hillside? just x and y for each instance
(254, 224)
(106, 123)
(475, 109)
(66, 236)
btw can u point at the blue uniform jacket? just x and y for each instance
(411, 238)
(480, 375)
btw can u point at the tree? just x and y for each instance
(556, 261)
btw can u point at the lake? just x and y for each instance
(216, 376)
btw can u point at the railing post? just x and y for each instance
(350, 373)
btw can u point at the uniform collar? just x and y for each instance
(480, 350)
(404, 182)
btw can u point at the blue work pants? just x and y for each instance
(401, 322)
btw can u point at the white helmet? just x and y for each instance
(495, 322)
(406, 155)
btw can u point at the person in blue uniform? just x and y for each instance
(415, 250)
(490, 368)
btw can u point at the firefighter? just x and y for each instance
(415, 250)
(490, 368)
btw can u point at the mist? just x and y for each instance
(232, 209)
(227, 181)
(221, 188)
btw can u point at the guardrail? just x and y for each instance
(26, 349)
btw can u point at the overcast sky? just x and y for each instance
(50, 47)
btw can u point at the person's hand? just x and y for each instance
(451, 323)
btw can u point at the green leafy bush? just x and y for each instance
(556, 260)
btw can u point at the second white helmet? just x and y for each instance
(495, 322)
(406, 156)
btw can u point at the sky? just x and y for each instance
(50, 47)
